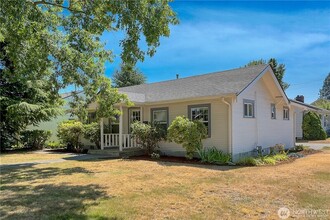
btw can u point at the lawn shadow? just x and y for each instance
(187, 164)
(27, 172)
(25, 200)
(90, 158)
(50, 201)
(203, 166)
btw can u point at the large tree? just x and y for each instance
(325, 90)
(52, 44)
(322, 103)
(278, 69)
(128, 75)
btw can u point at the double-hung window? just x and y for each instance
(273, 111)
(202, 113)
(159, 116)
(248, 108)
(285, 113)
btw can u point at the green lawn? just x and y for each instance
(125, 189)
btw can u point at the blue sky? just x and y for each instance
(220, 35)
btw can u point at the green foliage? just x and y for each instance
(312, 128)
(266, 160)
(280, 157)
(69, 132)
(128, 76)
(93, 134)
(22, 102)
(35, 139)
(188, 133)
(155, 156)
(213, 155)
(278, 69)
(277, 149)
(247, 161)
(325, 90)
(148, 136)
(54, 145)
(300, 147)
(322, 103)
(48, 45)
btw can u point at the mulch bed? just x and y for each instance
(171, 159)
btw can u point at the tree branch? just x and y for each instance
(43, 2)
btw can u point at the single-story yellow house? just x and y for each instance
(242, 108)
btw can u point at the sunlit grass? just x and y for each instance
(7, 158)
(125, 189)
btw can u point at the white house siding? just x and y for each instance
(299, 120)
(261, 130)
(219, 124)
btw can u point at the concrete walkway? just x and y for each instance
(77, 157)
(315, 146)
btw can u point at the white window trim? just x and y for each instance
(272, 106)
(288, 113)
(191, 107)
(249, 102)
(160, 109)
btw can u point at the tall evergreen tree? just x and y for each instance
(325, 90)
(278, 69)
(128, 75)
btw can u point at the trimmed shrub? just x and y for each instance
(188, 133)
(148, 136)
(35, 139)
(69, 132)
(93, 134)
(312, 128)
(54, 145)
(213, 155)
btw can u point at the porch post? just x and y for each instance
(102, 134)
(121, 129)
(141, 112)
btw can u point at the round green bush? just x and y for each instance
(312, 128)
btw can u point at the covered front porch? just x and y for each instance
(117, 133)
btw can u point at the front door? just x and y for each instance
(134, 115)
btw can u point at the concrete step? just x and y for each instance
(110, 153)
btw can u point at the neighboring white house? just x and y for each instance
(242, 108)
(301, 108)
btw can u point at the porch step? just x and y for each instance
(115, 153)
(108, 152)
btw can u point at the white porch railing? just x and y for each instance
(113, 140)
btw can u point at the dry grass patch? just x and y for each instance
(124, 189)
(8, 158)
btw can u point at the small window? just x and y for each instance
(202, 113)
(273, 111)
(285, 113)
(248, 108)
(160, 116)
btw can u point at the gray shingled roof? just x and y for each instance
(309, 106)
(211, 84)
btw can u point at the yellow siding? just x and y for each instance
(219, 123)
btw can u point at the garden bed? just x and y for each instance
(171, 159)
(174, 159)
